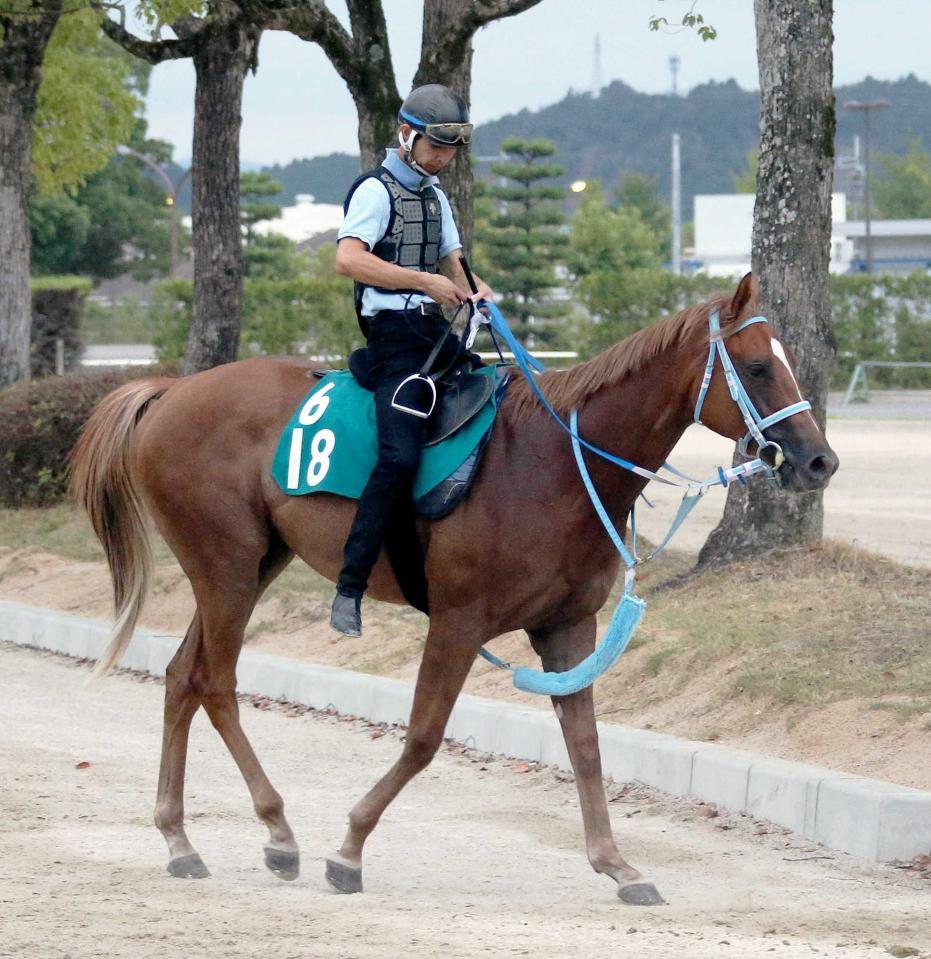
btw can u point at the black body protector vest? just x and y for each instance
(412, 239)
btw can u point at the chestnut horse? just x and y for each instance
(525, 550)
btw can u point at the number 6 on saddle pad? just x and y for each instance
(330, 444)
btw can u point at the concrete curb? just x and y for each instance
(873, 820)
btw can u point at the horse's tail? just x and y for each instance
(102, 481)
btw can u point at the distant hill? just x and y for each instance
(328, 178)
(622, 131)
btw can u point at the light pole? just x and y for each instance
(676, 205)
(865, 107)
(171, 200)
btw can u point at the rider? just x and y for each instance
(399, 243)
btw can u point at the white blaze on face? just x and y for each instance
(780, 354)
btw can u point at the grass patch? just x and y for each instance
(62, 529)
(655, 661)
(808, 626)
(904, 711)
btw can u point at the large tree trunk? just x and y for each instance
(450, 63)
(791, 250)
(377, 106)
(222, 58)
(22, 50)
(369, 74)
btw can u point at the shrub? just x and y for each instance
(57, 308)
(39, 423)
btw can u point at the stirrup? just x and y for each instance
(401, 408)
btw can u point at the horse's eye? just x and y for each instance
(758, 369)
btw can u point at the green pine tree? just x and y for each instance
(521, 239)
(254, 205)
(267, 255)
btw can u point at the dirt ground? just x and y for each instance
(880, 498)
(478, 857)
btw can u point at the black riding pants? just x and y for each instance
(398, 345)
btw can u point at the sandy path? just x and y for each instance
(474, 859)
(880, 497)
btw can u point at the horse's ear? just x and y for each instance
(747, 292)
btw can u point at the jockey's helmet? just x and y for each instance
(437, 113)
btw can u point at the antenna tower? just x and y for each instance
(597, 78)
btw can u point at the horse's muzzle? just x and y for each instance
(807, 469)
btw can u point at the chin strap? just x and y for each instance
(408, 147)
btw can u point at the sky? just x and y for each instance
(296, 106)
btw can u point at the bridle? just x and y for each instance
(755, 423)
(630, 608)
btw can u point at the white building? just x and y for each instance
(724, 227)
(898, 246)
(304, 220)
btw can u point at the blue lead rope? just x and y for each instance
(623, 623)
(630, 608)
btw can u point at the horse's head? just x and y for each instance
(752, 395)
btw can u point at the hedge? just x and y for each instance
(40, 421)
(57, 310)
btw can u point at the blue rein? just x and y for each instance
(630, 608)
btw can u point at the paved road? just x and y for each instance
(477, 858)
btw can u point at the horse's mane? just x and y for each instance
(567, 390)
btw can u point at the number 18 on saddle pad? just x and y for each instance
(330, 444)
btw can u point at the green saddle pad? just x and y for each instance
(330, 445)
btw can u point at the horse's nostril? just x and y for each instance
(823, 466)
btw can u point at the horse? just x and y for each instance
(524, 550)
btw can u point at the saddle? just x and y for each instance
(461, 393)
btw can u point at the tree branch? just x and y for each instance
(438, 62)
(153, 51)
(308, 19)
(485, 11)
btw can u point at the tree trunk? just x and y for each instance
(791, 250)
(377, 106)
(451, 65)
(221, 61)
(369, 74)
(22, 49)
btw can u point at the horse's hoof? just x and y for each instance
(188, 867)
(285, 865)
(343, 878)
(640, 894)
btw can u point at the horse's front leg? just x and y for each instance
(561, 649)
(448, 656)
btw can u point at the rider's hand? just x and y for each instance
(484, 293)
(442, 289)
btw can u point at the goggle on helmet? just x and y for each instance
(442, 134)
(439, 114)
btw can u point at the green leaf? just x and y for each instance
(86, 106)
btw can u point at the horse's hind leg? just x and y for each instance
(443, 669)
(561, 649)
(205, 673)
(181, 703)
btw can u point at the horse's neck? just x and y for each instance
(639, 419)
